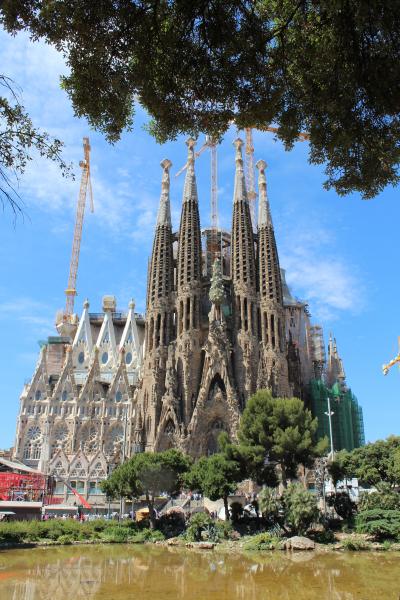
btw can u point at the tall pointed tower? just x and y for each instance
(273, 367)
(160, 326)
(244, 286)
(188, 294)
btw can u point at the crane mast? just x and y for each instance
(250, 179)
(214, 246)
(85, 185)
(250, 185)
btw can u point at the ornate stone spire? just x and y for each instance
(189, 246)
(161, 275)
(270, 282)
(264, 213)
(240, 192)
(243, 259)
(164, 211)
(190, 187)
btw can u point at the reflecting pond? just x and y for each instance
(116, 572)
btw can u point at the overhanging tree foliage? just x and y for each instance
(19, 138)
(329, 67)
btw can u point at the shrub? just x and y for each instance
(115, 535)
(171, 524)
(9, 534)
(65, 539)
(381, 523)
(223, 530)
(269, 505)
(384, 497)
(262, 541)
(326, 536)
(200, 522)
(355, 543)
(146, 535)
(300, 508)
(202, 527)
(236, 511)
(342, 504)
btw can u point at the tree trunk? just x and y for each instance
(227, 517)
(283, 476)
(150, 505)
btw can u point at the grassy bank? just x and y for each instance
(69, 531)
(198, 534)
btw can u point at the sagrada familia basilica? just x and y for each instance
(214, 332)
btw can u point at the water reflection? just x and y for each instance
(145, 572)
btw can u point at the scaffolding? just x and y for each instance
(347, 418)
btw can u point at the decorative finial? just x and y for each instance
(190, 143)
(166, 164)
(261, 165)
(262, 182)
(86, 304)
(238, 143)
(164, 213)
(132, 304)
(264, 214)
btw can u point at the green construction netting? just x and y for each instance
(347, 418)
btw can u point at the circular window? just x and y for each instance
(118, 396)
(104, 358)
(128, 358)
(81, 358)
(34, 433)
(38, 395)
(64, 395)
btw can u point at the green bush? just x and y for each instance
(262, 541)
(146, 535)
(270, 505)
(223, 530)
(200, 522)
(355, 543)
(66, 539)
(381, 523)
(326, 536)
(171, 524)
(300, 508)
(9, 534)
(384, 498)
(343, 505)
(236, 511)
(115, 534)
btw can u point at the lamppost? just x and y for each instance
(329, 414)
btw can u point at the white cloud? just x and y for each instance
(317, 272)
(30, 312)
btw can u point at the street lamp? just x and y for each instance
(329, 414)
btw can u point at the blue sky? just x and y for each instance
(340, 253)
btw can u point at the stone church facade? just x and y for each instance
(220, 323)
(205, 354)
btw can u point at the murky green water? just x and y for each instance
(146, 572)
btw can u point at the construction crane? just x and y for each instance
(86, 185)
(212, 145)
(250, 180)
(396, 359)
